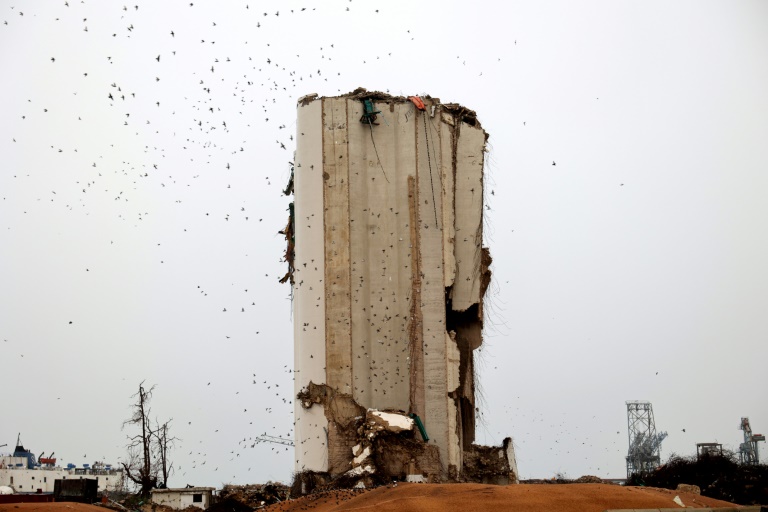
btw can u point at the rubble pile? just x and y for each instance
(560, 479)
(375, 447)
(309, 482)
(588, 479)
(489, 465)
(378, 446)
(693, 489)
(383, 446)
(245, 498)
(388, 444)
(375, 423)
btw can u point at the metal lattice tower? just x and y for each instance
(748, 452)
(644, 452)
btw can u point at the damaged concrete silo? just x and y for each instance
(389, 272)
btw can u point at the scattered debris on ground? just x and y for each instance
(585, 479)
(244, 498)
(154, 507)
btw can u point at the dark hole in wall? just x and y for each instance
(468, 327)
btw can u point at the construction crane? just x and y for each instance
(644, 454)
(272, 439)
(748, 451)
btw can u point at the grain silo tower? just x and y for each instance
(389, 273)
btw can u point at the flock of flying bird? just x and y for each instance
(187, 119)
(188, 104)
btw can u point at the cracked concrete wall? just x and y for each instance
(335, 194)
(468, 199)
(396, 233)
(381, 255)
(308, 290)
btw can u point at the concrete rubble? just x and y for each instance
(388, 445)
(244, 498)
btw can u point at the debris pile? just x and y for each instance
(309, 482)
(244, 498)
(588, 479)
(490, 465)
(382, 446)
(560, 479)
(376, 422)
(693, 489)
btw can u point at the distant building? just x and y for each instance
(23, 473)
(81, 491)
(709, 449)
(201, 497)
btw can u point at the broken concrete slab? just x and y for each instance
(389, 421)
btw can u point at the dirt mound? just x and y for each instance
(481, 498)
(62, 506)
(464, 497)
(588, 479)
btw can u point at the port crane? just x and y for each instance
(748, 450)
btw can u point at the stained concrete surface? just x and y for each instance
(390, 269)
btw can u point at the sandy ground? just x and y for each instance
(50, 507)
(487, 498)
(464, 497)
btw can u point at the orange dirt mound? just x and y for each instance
(464, 497)
(63, 506)
(485, 498)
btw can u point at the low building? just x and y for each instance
(179, 499)
(42, 480)
(81, 491)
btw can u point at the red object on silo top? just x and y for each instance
(417, 102)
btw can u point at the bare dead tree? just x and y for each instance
(148, 450)
(163, 443)
(139, 467)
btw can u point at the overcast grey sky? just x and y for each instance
(635, 268)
